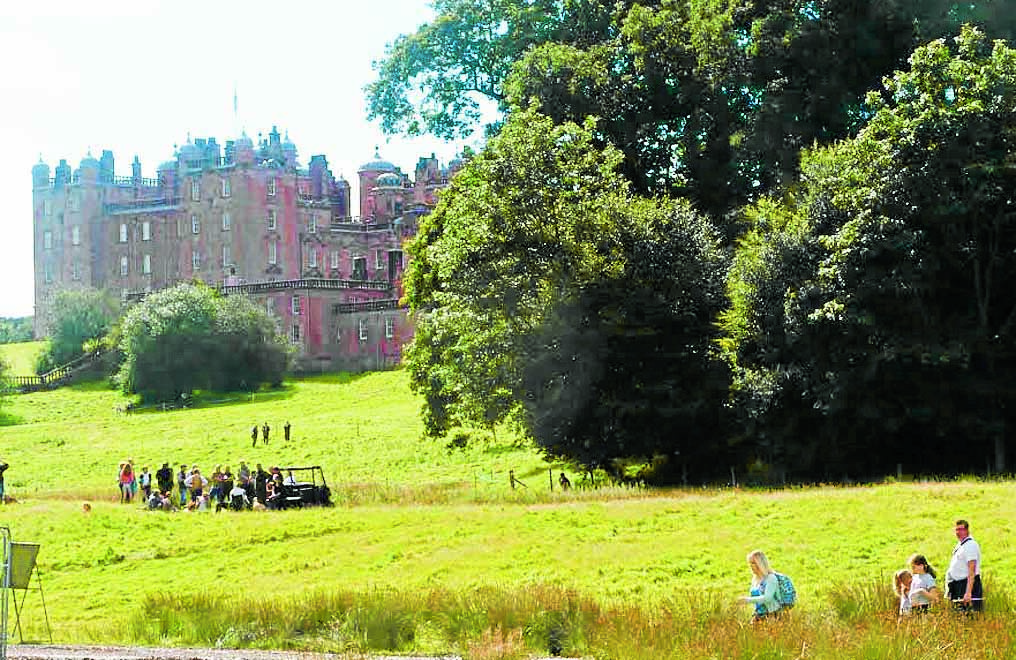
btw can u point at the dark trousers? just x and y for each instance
(958, 589)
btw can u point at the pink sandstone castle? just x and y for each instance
(247, 219)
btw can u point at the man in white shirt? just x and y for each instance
(963, 579)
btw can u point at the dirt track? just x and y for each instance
(33, 652)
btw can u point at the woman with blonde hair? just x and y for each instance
(765, 588)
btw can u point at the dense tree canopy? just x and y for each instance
(546, 291)
(189, 337)
(879, 308)
(79, 316)
(861, 182)
(16, 329)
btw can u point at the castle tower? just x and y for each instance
(40, 174)
(369, 173)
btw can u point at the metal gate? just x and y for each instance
(5, 584)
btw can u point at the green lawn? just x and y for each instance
(415, 516)
(21, 357)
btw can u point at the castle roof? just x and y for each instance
(377, 165)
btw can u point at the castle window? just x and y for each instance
(47, 240)
(296, 305)
(312, 259)
(363, 329)
(76, 235)
(389, 328)
(227, 257)
(47, 207)
(270, 306)
(295, 336)
(379, 255)
(123, 232)
(359, 268)
(146, 264)
(73, 203)
(124, 266)
(335, 259)
(271, 186)
(227, 189)
(47, 272)
(195, 225)
(312, 225)
(273, 252)
(75, 271)
(272, 221)
(227, 222)
(195, 190)
(146, 231)
(196, 260)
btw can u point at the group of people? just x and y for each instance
(256, 489)
(266, 432)
(915, 587)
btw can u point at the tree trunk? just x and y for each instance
(1000, 452)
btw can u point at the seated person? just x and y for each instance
(258, 506)
(154, 502)
(274, 499)
(290, 480)
(238, 498)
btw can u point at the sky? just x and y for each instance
(138, 76)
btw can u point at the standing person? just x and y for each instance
(264, 432)
(145, 481)
(197, 484)
(181, 482)
(3, 468)
(244, 472)
(254, 436)
(765, 588)
(285, 430)
(963, 579)
(126, 482)
(261, 479)
(164, 478)
(923, 591)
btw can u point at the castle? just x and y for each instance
(250, 220)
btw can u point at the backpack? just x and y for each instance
(788, 594)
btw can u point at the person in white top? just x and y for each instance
(963, 579)
(902, 581)
(923, 591)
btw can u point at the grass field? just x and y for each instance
(21, 357)
(431, 549)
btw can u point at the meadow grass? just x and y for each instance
(429, 549)
(20, 357)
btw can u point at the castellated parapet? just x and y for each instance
(248, 218)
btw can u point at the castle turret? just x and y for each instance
(244, 150)
(136, 171)
(89, 169)
(62, 173)
(106, 167)
(40, 174)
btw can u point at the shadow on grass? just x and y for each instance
(7, 419)
(340, 378)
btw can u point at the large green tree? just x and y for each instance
(877, 308)
(547, 293)
(79, 316)
(189, 337)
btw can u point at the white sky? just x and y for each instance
(135, 76)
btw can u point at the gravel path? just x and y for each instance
(33, 652)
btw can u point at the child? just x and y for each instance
(901, 585)
(922, 589)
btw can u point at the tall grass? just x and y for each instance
(500, 622)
